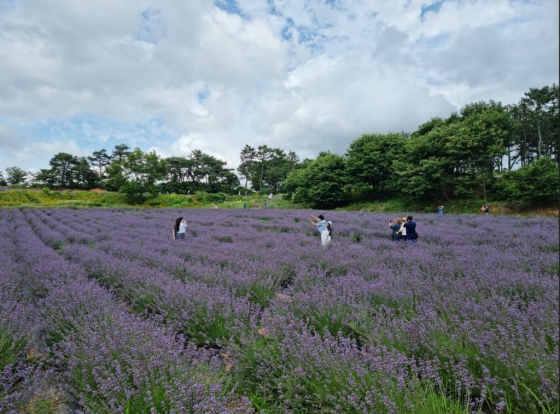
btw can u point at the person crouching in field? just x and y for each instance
(180, 229)
(321, 225)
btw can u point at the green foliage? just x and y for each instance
(135, 175)
(198, 172)
(457, 156)
(533, 184)
(68, 170)
(266, 168)
(10, 349)
(370, 160)
(16, 175)
(215, 198)
(319, 183)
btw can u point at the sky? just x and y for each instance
(301, 75)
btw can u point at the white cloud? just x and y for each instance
(37, 155)
(301, 75)
(10, 137)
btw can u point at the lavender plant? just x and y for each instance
(462, 321)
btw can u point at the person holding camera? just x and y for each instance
(322, 228)
(179, 229)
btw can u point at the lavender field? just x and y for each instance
(250, 314)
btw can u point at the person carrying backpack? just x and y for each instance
(322, 228)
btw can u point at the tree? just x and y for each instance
(370, 160)
(83, 175)
(3, 181)
(542, 105)
(120, 152)
(533, 184)
(16, 175)
(266, 167)
(136, 174)
(318, 183)
(455, 157)
(100, 159)
(62, 165)
(247, 158)
(536, 118)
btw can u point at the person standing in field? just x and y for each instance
(410, 226)
(244, 206)
(395, 227)
(402, 230)
(180, 229)
(440, 211)
(322, 228)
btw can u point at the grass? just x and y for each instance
(27, 198)
(399, 206)
(10, 349)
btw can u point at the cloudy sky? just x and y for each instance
(303, 75)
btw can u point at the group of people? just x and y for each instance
(404, 229)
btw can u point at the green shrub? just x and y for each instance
(215, 198)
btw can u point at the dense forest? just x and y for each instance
(486, 151)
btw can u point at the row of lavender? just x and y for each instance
(133, 223)
(354, 327)
(16, 326)
(109, 360)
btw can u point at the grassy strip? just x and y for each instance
(87, 199)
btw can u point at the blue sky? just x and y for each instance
(301, 75)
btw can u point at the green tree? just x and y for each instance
(265, 167)
(318, 183)
(247, 159)
(15, 175)
(82, 174)
(536, 118)
(136, 174)
(3, 181)
(479, 144)
(100, 159)
(542, 105)
(370, 160)
(535, 184)
(120, 152)
(62, 165)
(455, 157)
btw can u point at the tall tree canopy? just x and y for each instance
(136, 174)
(318, 183)
(265, 167)
(199, 172)
(16, 175)
(370, 158)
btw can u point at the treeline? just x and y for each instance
(472, 154)
(487, 151)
